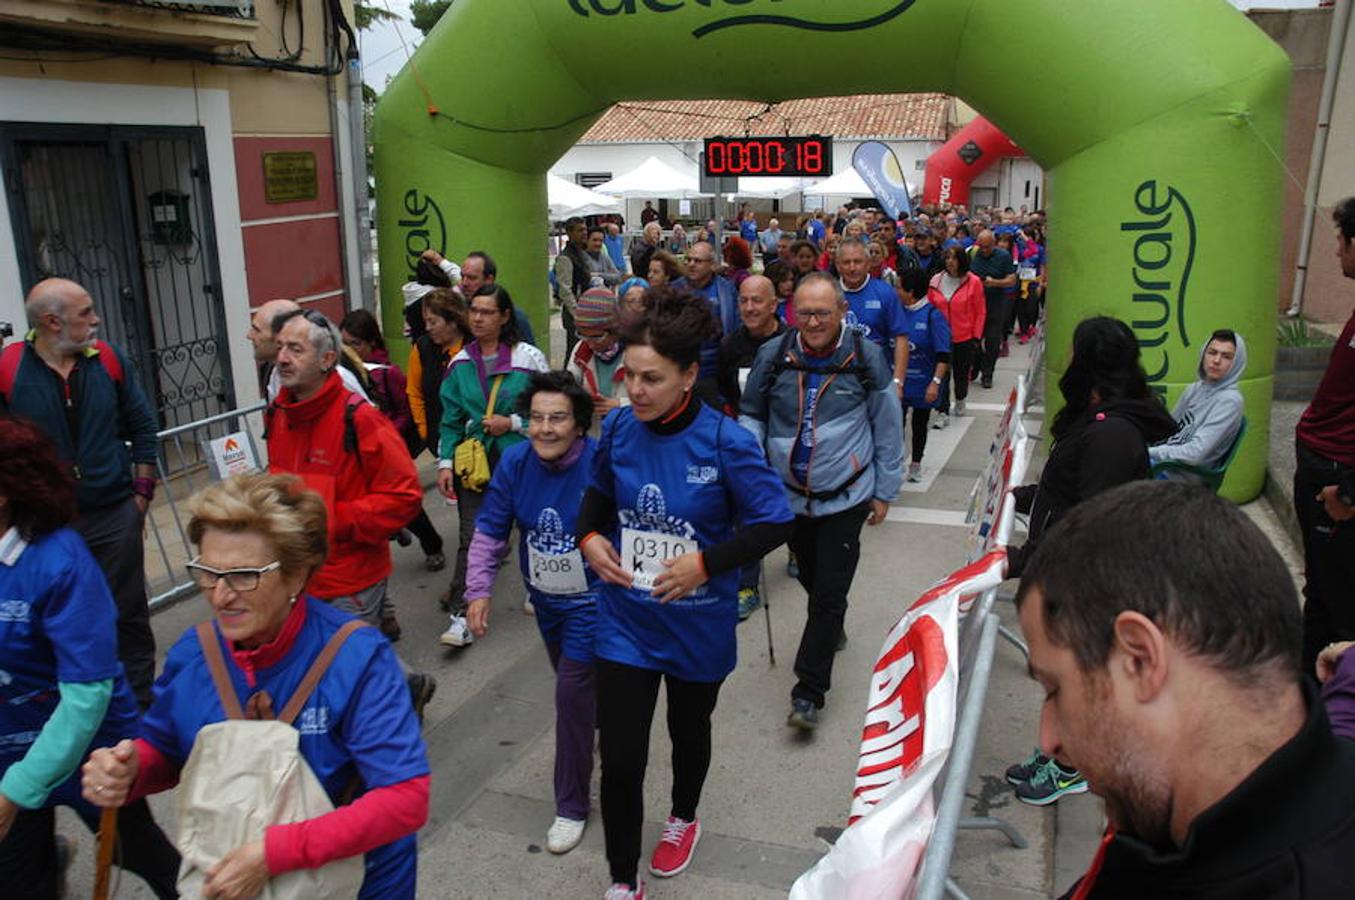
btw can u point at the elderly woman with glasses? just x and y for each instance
(537, 487)
(62, 689)
(259, 539)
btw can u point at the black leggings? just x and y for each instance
(28, 856)
(422, 528)
(921, 415)
(964, 356)
(625, 708)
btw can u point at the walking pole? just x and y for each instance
(767, 610)
(108, 836)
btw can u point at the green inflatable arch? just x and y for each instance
(1159, 122)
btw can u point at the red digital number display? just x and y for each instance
(750, 157)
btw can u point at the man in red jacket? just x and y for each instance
(345, 450)
(1324, 480)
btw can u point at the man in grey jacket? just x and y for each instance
(821, 401)
(1209, 412)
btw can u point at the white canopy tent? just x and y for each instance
(847, 183)
(769, 188)
(653, 178)
(568, 199)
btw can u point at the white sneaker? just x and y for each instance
(457, 634)
(527, 608)
(941, 421)
(564, 834)
(915, 472)
(621, 892)
(959, 408)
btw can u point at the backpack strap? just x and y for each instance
(318, 670)
(108, 357)
(216, 665)
(10, 358)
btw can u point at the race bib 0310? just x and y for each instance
(643, 553)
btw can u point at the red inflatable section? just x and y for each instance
(953, 168)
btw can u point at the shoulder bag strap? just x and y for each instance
(317, 671)
(493, 395)
(216, 664)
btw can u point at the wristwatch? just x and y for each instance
(896, 381)
(936, 380)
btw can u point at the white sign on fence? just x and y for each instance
(233, 455)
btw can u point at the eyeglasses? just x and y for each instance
(555, 418)
(242, 580)
(814, 315)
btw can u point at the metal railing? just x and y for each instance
(185, 465)
(977, 646)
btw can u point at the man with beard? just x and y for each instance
(80, 391)
(1164, 628)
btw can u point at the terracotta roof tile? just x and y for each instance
(862, 116)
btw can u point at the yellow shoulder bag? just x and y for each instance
(471, 462)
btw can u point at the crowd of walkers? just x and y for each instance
(718, 403)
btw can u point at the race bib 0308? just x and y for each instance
(643, 553)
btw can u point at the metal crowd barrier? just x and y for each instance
(977, 646)
(185, 465)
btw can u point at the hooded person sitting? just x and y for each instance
(1209, 412)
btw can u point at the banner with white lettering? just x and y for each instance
(909, 729)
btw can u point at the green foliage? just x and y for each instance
(424, 14)
(366, 15)
(1296, 333)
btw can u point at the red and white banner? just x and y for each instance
(909, 729)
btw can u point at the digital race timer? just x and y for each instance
(796, 157)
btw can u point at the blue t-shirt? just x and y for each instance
(748, 231)
(58, 623)
(695, 485)
(928, 335)
(616, 249)
(817, 231)
(875, 311)
(544, 504)
(709, 361)
(359, 721)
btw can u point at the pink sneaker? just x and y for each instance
(674, 851)
(620, 891)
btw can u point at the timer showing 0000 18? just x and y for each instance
(798, 157)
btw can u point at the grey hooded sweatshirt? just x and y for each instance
(1209, 414)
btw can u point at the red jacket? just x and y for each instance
(966, 310)
(369, 495)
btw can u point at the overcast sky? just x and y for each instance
(382, 54)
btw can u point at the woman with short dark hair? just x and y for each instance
(536, 488)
